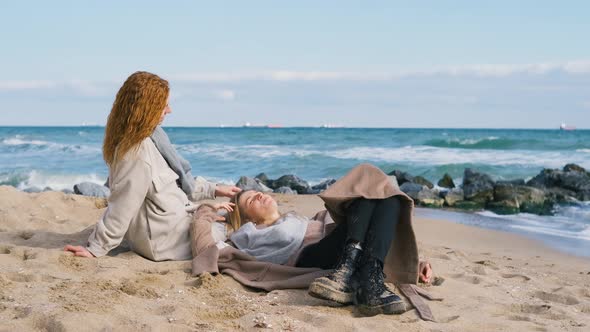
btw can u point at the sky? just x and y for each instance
(451, 64)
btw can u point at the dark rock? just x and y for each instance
(285, 190)
(411, 189)
(469, 205)
(294, 182)
(421, 180)
(574, 167)
(247, 183)
(452, 196)
(32, 190)
(429, 198)
(545, 179)
(507, 206)
(446, 181)
(517, 182)
(91, 189)
(509, 199)
(47, 189)
(67, 191)
(264, 179)
(402, 177)
(478, 187)
(324, 185)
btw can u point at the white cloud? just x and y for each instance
(226, 95)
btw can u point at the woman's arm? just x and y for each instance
(131, 182)
(209, 190)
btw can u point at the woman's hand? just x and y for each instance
(425, 270)
(224, 205)
(79, 251)
(226, 191)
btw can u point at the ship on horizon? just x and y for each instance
(566, 127)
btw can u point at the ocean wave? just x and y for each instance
(19, 144)
(43, 180)
(488, 143)
(583, 150)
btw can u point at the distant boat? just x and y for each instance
(566, 127)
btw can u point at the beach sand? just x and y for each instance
(493, 281)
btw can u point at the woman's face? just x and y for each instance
(257, 206)
(166, 110)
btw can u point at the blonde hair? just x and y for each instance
(237, 216)
(135, 114)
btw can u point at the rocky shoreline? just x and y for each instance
(478, 191)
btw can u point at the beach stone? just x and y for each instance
(452, 196)
(412, 189)
(91, 189)
(402, 177)
(574, 167)
(421, 180)
(429, 198)
(507, 206)
(67, 191)
(324, 185)
(469, 205)
(248, 183)
(446, 181)
(32, 190)
(264, 179)
(294, 182)
(516, 182)
(478, 187)
(285, 190)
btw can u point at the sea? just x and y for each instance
(59, 157)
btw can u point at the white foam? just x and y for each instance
(58, 181)
(18, 141)
(583, 150)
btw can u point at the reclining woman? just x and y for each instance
(150, 183)
(372, 231)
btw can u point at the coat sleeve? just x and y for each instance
(130, 184)
(203, 190)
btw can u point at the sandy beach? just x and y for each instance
(493, 281)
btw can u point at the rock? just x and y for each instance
(264, 179)
(421, 180)
(469, 205)
(47, 189)
(545, 179)
(32, 190)
(324, 185)
(509, 199)
(402, 177)
(517, 182)
(91, 189)
(429, 198)
(478, 187)
(446, 181)
(247, 183)
(452, 196)
(67, 191)
(411, 189)
(285, 190)
(574, 167)
(294, 182)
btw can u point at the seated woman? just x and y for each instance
(372, 231)
(146, 204)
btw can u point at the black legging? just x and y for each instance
(372, 222)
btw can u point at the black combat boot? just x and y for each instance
(372, 296)
(338, 286)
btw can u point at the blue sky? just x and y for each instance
(515, 64)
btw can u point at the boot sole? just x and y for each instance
(326, 289)
(394, 308)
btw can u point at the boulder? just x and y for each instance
(324, 185)
(67, 191)
(507, 206)
(91, 189)
(32, 190)
(402, 177)
(574, 167)
(248, 183)
(264, 179)
(429, 198)
(411, 189)
(469, 205)
(573, 178)
(452, 196)
(421, 180)
(446, 181)
(516, 182)
(294, 182)
(285, 190)
(509, 199)
(477, 187)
